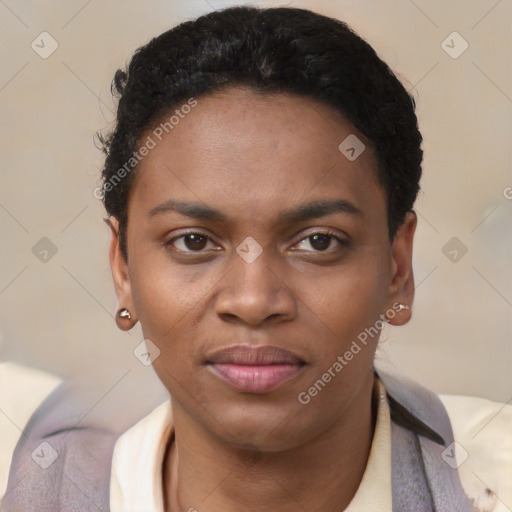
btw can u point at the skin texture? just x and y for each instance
(253, 156)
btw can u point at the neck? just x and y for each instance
(203, 474)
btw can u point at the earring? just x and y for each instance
(124, 313)
(401, 307)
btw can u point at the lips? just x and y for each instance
(255, 369)
(251, 355)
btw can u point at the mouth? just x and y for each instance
(255, 369)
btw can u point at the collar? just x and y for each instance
(415, 407)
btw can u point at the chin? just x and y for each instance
(267, 429)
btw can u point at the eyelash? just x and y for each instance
(342, 242)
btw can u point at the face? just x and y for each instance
(249, 228)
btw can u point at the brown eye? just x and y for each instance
(190, 242)
(320, 242)
(194, 241)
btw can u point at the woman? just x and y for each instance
(260, 184)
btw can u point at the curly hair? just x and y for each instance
(274, 50)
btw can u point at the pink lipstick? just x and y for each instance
(255, 369)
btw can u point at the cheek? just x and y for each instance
(163, 291)
(165, 299)
(349, 298)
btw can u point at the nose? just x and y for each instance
(254, 293)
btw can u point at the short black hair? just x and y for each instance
(274, 50)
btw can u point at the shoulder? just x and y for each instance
(477, 436)
(483, 449)
(22, 390)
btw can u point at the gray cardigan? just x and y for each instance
(83, 434)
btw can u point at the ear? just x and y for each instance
(120, 275)
(401, 287)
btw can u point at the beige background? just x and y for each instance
(58, 315)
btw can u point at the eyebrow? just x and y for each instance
(300, 213)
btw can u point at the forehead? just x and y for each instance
(256, 153)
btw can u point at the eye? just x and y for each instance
(321, 241)
(192, 242)
(197, 242)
